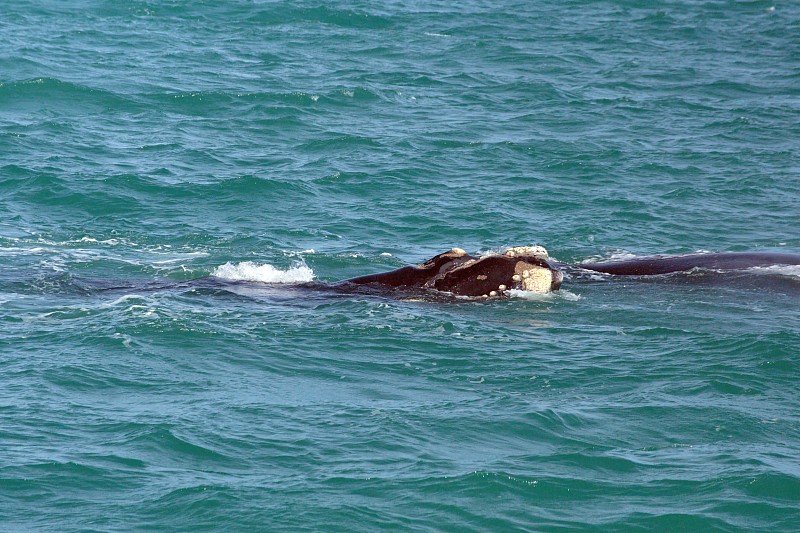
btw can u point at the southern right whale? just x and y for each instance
(531, 269)
(666, 264)
(492, 275)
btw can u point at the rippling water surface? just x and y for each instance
(147, 143)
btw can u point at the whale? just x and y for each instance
(530, 268)
(661, 264)
(456, 272)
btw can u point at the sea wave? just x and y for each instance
(264, 273)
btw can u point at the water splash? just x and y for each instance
(264, 273)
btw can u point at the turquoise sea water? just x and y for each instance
(146, 143)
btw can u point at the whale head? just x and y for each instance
(526, 268)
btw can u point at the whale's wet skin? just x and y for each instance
(497, 275)
(523, 268)
(529, 268)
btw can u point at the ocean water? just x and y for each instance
(144, 144)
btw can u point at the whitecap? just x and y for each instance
(264, 273)
(792, 271)
(543, 297)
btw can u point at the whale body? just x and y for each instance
(649, 266)
(523, 268)
(531, 269)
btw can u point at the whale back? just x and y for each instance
(648, 266)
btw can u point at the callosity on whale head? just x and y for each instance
(534, 276)
(524, 268)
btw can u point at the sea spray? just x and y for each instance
(264, 273)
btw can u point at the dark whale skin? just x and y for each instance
(419, 276)
(649, 266)
(461, 274)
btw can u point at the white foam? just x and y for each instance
(792, 271)
(543, 297)
(122, 299)
(83, 240)
(568, 295)
(251, 271)
(111, 242)
(182, 257)
(621, 255)
(530, 295)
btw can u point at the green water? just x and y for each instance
(147, 143)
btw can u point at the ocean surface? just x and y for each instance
(144, 144)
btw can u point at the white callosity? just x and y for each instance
(527, 251)
(530, 277)
(527, 276)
